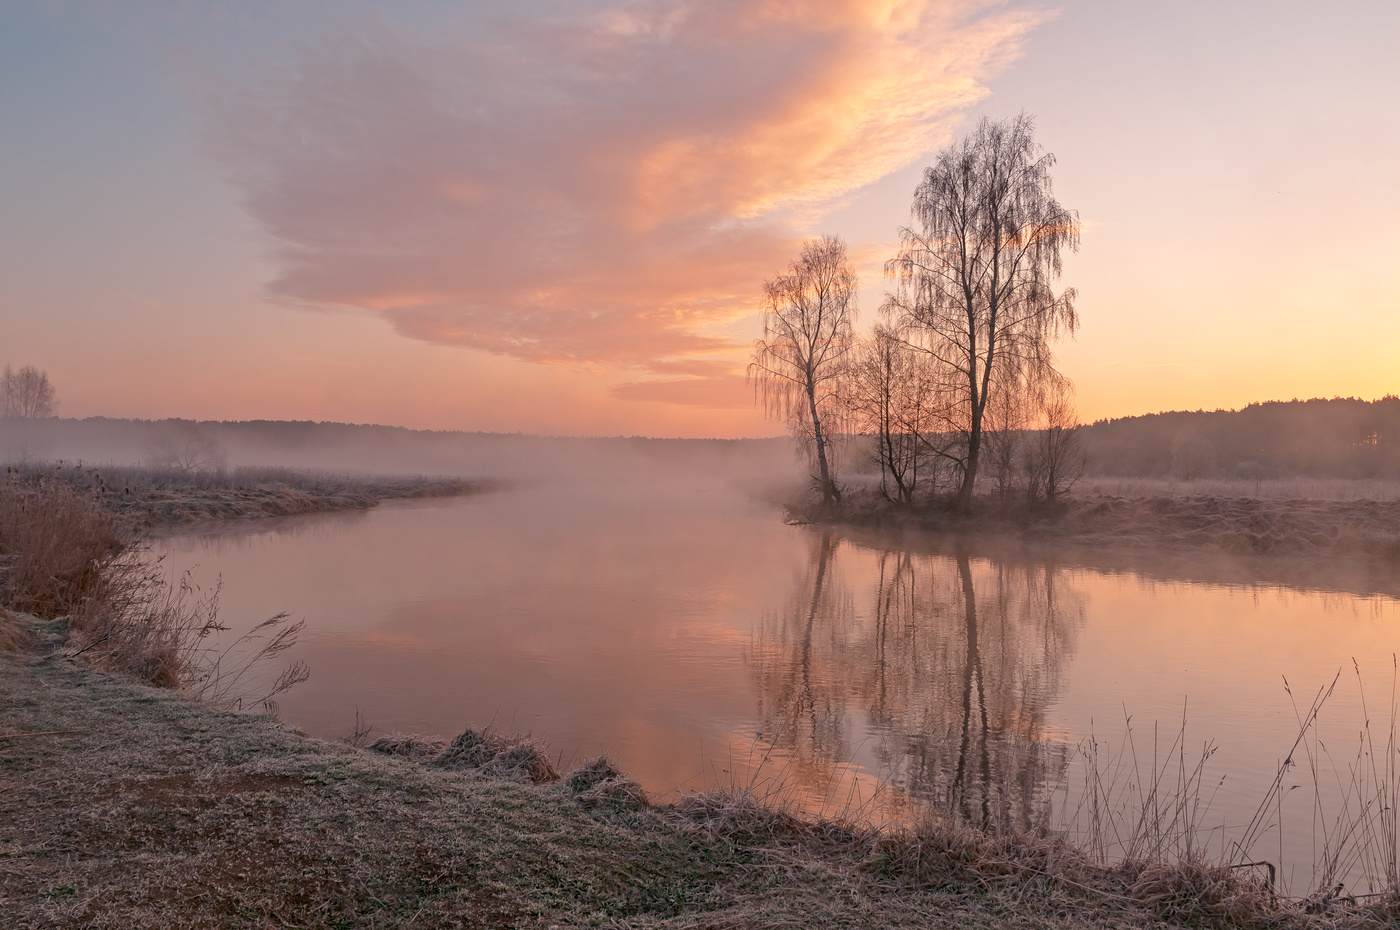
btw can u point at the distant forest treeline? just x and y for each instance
(189, 445)
(1343, 437)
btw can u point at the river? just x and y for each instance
(698, 640)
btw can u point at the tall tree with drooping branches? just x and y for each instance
(975, 275)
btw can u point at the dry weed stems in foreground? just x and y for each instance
(65, 556)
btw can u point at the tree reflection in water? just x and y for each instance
(933, 673)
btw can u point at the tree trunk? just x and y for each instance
(962, 504)
(829, 492)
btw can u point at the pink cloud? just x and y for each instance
(607, 192)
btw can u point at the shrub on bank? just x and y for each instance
(56, 543)
(64, 554)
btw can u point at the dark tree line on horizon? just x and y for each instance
(1340, 437)
(957, 379)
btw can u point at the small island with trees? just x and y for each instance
(951, 415)
(958, 373)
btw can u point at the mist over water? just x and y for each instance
(663, 615)
(645, 598)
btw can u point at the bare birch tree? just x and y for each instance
(975, 273)
(26, 393)
(800, 363)
(893, 397)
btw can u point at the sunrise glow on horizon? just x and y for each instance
(558, 220)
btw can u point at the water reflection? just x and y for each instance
(670, 630)
(946, 670)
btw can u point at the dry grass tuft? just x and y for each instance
(134, 622)
(409, 746)
(494, 754)
(935, 855)
(943, 854)
(473, 749)
(1381, 910)
(743, 816)
(167, 635)
(1204, 894)
(598, 783)
(524, 759)
(15, 635)
(55, 542)
(940, 853)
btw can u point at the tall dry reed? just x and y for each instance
(1141, 804)
(1148, 809)
(55, 544)
(64, 554)
(1355, 830)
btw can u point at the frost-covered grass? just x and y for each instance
(156, 496)
(1298, 488)
(124, 805)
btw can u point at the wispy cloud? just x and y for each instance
(607, 191)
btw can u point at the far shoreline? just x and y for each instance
(1360, 530)
(164, 498)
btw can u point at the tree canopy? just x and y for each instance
(974, 276)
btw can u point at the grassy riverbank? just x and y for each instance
(160, 497)
(123, 805)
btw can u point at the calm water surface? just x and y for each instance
(697, 640)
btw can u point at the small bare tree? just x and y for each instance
(186, 446)
(800, 364)
(26, 393)
(975, 273)
(894, 398)
(1056, 459)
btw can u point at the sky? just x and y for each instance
(552, 217)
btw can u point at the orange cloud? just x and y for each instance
(607, 192)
